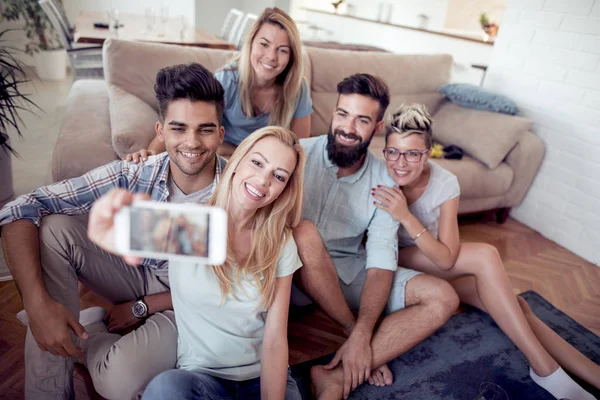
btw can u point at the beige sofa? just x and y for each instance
(106, 119)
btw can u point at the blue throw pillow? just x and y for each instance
(471, 96)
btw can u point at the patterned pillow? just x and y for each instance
(471, 96)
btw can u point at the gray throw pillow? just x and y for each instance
(471, 96)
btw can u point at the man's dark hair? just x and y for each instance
(367, 85)
(188, 81)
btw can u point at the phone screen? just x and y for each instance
(169, 231)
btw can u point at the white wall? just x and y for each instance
(463, 15)
(176, 8)
(257, 6)
(210, 14)
(547, 58)
(404, 12)
(406, 41)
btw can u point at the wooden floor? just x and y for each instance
(532, 262)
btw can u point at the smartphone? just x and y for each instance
(172, 231)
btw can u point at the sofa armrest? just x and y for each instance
(84, 141)
(525, 160)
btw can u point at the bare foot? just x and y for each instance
(327, 384)
(376, 378)
(382, 376)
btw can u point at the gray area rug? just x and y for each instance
(468, 350)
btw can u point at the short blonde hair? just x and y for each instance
(409, 120)
(273, 223)
(289, 82)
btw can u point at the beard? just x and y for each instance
(342, 155)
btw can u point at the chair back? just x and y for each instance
(243, 29)
(58, 22)
(231, 24)
(64, 21)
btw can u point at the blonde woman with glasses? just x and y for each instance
(232, 318)
(263, 85)
(425, 202)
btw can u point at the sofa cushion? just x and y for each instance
(486, 136)
(410, 78)
(476, 180)
(132, 121)
(471, 96)
(84, 142)
(404, 73)
(133, 65)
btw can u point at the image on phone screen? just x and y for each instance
(174, 232)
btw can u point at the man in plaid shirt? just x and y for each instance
(44, 235)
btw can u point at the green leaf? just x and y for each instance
(13, 100)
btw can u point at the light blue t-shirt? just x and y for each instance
(343, 211)
(222, 339)
(237, 125)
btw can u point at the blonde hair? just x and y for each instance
(409, 120)
(288, 83)
(273, 223)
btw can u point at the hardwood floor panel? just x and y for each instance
(532, 263)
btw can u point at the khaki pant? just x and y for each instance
(120, 366)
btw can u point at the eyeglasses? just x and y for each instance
(411, 156)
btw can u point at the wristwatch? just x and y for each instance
(139, 309)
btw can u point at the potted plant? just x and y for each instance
(490, 28)
(44, 45)
(12, 101)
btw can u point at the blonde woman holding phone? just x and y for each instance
(232, 318)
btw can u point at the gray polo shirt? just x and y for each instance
(343, 211)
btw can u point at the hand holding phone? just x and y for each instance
(101, 228)
(173, 231)
(130, 225)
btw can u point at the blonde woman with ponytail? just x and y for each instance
(232, 318)
(263, 85)
(425, 202)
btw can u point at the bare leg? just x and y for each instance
(566, 355)
(490, 290)
(428, 305)
(483, 283)
(318, 277)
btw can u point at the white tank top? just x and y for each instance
(442, 186)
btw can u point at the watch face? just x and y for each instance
(139, 309)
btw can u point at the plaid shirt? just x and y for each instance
(76, 196)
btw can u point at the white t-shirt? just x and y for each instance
(221, 339)
(442, 186)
